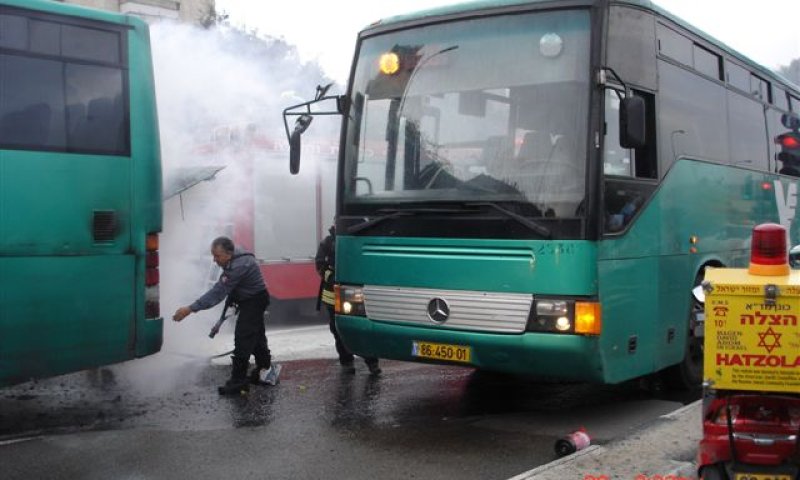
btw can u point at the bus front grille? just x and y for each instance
(454, 309)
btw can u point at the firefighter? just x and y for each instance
(241, 281)
(325, 262)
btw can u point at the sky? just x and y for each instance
(767, 31)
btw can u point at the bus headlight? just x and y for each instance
(349, 300)
(563, 324)
(565, 316)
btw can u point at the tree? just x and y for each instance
(212, 18)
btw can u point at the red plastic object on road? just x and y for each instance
(577, 440)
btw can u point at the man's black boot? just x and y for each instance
(347, 364)
(374, 369)
(237, 384)
(234, 387)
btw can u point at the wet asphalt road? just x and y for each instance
(413, 422)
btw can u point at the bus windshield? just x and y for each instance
(481, 110)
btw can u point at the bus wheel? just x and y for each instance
(688, 374)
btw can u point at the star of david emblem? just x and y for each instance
(776, 340)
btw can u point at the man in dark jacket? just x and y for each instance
(325, 261)
(241, 281)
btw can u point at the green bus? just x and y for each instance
(534, 187)
(80, 190)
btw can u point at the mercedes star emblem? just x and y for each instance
(438, 310)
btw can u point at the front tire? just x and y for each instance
(688, 374)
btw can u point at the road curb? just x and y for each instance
(665, 447)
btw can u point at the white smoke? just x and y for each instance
(220, 95)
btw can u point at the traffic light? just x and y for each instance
(789, 143)
(790, 147)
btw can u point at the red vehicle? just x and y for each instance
(750, 436)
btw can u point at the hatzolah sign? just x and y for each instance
(752, 334)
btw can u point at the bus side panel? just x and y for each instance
(48, 202)
(145, 146)
(62, 314)
(146, 201)
(628, 317)
(646, 275)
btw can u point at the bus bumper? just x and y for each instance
(566, 357)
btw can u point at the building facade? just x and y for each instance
(190, 11)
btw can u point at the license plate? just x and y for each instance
(442, 351)
(762, 476)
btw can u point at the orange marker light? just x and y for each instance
(588, 319)
(337, 303)
(151, 243)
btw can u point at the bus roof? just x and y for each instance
(58, 8)
(478, 5)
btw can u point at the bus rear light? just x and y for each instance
(151, 260)
(588, 318)
(151, 243)
(768, 253)
(151, 277)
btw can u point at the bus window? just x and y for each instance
(707, 62)
(759, 88)
(72, 100)
(780, 99)
(738, 77)
(90, 44)
(96, 111)
(616, 159)
(45, 37)
(624, 195)
(15, 32)
(747, 131)
(31, 103)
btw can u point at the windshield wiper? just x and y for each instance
(533, 225)
(389, 213)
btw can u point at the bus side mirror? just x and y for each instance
(632, 122)
(300, 126)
